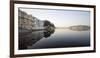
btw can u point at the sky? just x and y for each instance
(61, 18)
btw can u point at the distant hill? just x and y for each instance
(79, 28)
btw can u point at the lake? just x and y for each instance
(58, 38)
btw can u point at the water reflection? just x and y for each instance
(28, 39)
(54, 39)
(48, 33)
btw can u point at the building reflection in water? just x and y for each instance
(31, 38)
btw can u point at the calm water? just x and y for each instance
(57, 38)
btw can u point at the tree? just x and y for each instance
(52, 25)
(47, 23)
